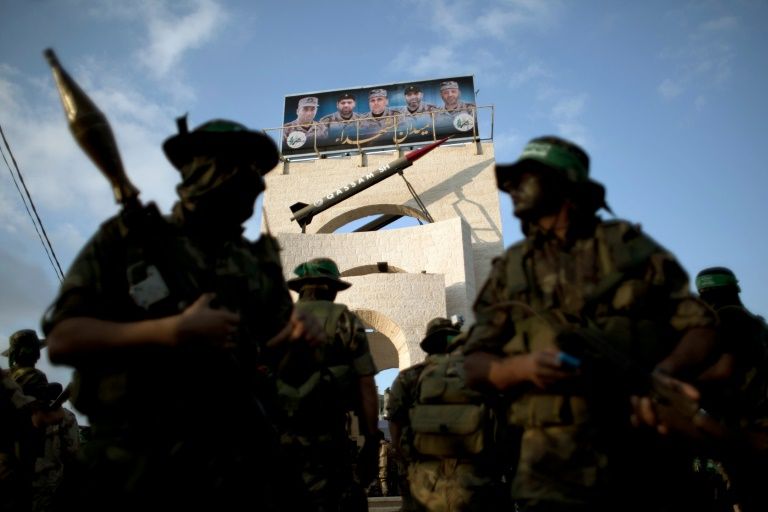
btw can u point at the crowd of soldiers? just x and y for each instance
(592, 379)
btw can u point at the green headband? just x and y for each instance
(715, 281)
(556, 157)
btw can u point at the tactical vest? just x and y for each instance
(538, 327)
(448, 419)
(315, 386)
(164, 274)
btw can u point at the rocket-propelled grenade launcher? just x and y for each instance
(92, 132)
(303, 213)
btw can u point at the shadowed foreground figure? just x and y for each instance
(556, 315)
(317, 386)
(443, 431)
(731, 425)
(166, 320)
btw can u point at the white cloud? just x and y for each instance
(437, 60)
(670, 89)
(525, 75)
(171, 33)
(462, 20)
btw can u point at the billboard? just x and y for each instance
(379, 116)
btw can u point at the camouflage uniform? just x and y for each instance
(377, 126)
(181, 426)
(576, 450)
(742, 402)
(340, 129)
(440, 479)
(316, 388)
(312, 130)
(15, 408)
(444, 119)
(402, 397)
(61, 444)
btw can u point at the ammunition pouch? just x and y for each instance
(453, 430)
(449, 420)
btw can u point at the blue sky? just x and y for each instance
(668, 97)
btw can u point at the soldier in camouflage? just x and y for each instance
(50, 449)
(453, 108)
(318, 386)
(304, 131)
(732, 425)
(23, 354)
(379, 122)
(416, 115)
(573, 278)
(441, 477)
(166, 320)
(342, 125)
(23, 417)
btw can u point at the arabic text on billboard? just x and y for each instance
(379, 116)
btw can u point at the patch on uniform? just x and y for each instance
(151, 290)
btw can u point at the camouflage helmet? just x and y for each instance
(23, 343)
(220, 137)
(318, 271)
(440, 333)
(716, 278)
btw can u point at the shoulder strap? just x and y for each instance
(622, 248)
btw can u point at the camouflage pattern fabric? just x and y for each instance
(314, 427)
(374, 126)
(576, 447)
(185, 425)
(402, 396)
(443, 484)
(340, 129)
(310, 130)
(15, 407)
(61, 444)
(742, 402)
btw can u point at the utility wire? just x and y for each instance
(41, 233)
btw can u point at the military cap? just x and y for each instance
(412, 88)
(436, 340)
(317, 271)
(220, 137)
(23, 338)
(716, 277)
(375, 93)
(345, 96)
(552, 153)
(309, 101)
(449, 84)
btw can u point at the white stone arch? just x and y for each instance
(388, 342)
(368, 210)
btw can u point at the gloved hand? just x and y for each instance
(368, 458)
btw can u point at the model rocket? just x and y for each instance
(303, 213)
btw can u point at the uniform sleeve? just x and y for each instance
(398, 405)
(85, 290)
(493, 325)
(360, 352)
(669, 280)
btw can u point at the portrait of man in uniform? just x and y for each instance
(304, 131)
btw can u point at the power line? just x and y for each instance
(41, 233)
